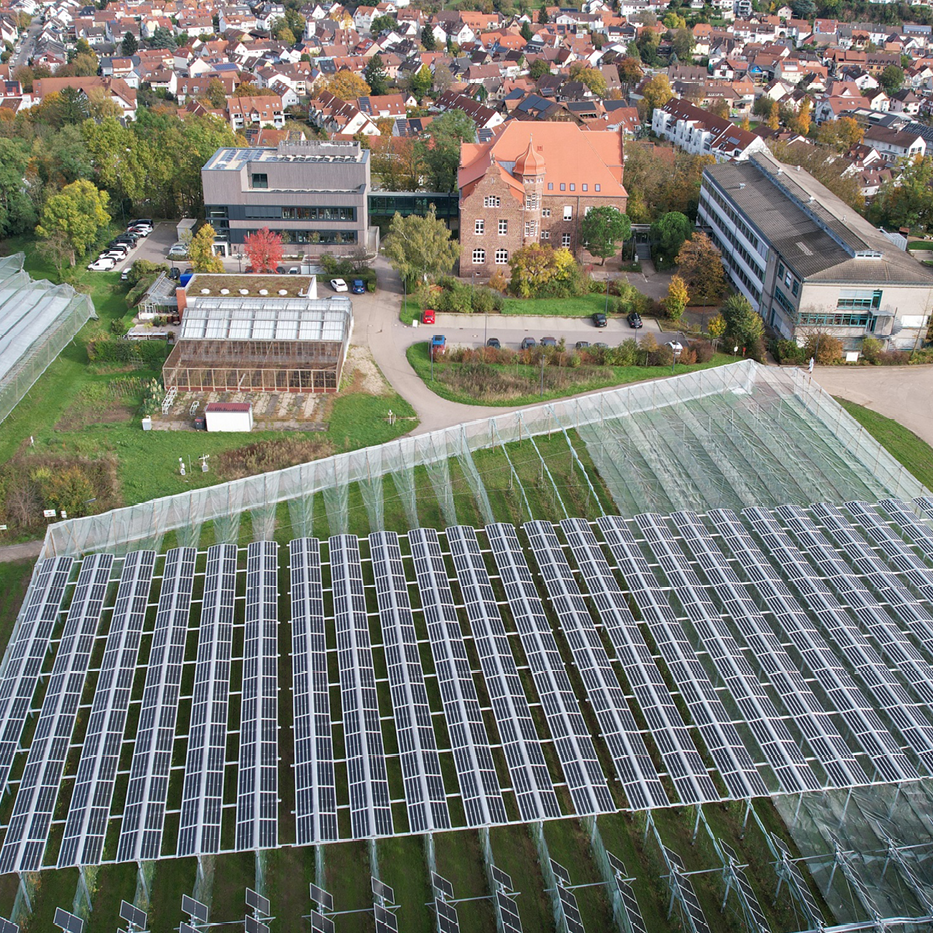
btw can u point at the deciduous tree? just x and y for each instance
(538, 265)
(700, 266)
(669, 233)
(347, 85)
(382, 24)
(441, 152)
(677, 297)
(420, 82)
(744, 328)
(538, 68)
(17, 214)
(264, 249)
(201, 251)
(420, 248)
(892, 79)
(603, 229)
(79, 210)
(656, 93)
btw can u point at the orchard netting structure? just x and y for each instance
(718, 589)
(37, 320)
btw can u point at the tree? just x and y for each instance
(802, 119)
(720, 109)
(420, 82)
(906, 200)
(825, 166)
(670, 232)
(677, 297)
(763, 106)
(376, 76)
(347, 85)
(420, 248)
(543, 18)
(538, 265)
(538, 68)
(774, 118)
(381, 24)
(201, 252)
(603, 229)
(162, 38)
(129, 46)
(428, 40)
(216, 94)
(57, 249)
(441, 151)
(701, 268)
(118, 158)
(264, 249)
(716, 327)
(442, 78)
(841, 134)
(629, 70)
(284, 34)
(744, 328)
(594, 79)
(17, 214)
(682, 44)
(79, 210)
(892, 79)
(656, 93)
(526, 32)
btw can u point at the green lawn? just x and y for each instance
(901, 443)
(583, 306)
(477, 384)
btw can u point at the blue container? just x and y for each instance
(185, 278)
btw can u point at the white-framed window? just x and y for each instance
(565, 240)
(503, 227)
(531, 228)
(568, 212)
(479, 227)
(546, 212)
(596, 187)
(585, 187)
(491, 201)
(563, 186)
(479, 257)
(586, 210)
(502, 257)
(545, 234)
(573, 187)
(531, 202)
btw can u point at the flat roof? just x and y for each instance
(233, 160)
(203, 284)
(237, 318)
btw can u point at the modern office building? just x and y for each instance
(314, 193)
(807, 261)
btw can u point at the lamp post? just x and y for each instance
(676, 350)
(606, 309)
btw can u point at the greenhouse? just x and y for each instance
(37, 319)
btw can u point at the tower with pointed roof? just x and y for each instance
(529, 170)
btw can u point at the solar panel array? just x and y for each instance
(685, 894)
(258, 768)
(816, 624)
(567, 901)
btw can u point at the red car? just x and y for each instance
(427, 316)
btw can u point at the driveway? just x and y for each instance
(904, 393)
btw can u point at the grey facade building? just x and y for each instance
(314, 193)
(807, 262)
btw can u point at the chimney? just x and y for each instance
(181, 296)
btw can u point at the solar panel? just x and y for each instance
(447, 919)
(320, 923)
(322, 898)
(442, 886)
(523, 754)
(252, 925)
(144, 813)
(256, 901)
(800, 890)
(382, 890)
(502, 879)
(131, 914)
(505, 907)
(202, 791)
(566, 899)
(916, 531)
(798, 699)
(862, 657)
(476, 770)
(28, 646)
(683, 890)
(25, 840)
(632, 761)
(386, 921)
(194, 909)
(258, 769)
(633, 915)
(723, 741)
(67, 921)
(423, 783)
(763, 720)
(86, 825)
(572, 739)
(187, 928)
(315, 794)
(865, 726)
(370, 806)
(755, 918)
(8, 926)
(684, 764)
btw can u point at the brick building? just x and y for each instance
(530, 183)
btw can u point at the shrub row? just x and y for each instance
(450, 295)
(149, 352)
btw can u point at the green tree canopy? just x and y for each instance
(79, 211)
(669, 232)
(538, 68)
(428, 40)
(420, 82)
(744, 328)
(420, 248)
(441, 153)
(892, 79)
(603, 229)
(376, 76)
(17, 214)
(129, 46)
(382, 24)
(201, 251)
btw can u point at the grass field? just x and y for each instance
(908, 449)
(488, 384)
(582, 306)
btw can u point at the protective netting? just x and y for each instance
(733, 436)
(37, 320)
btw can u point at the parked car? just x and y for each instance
(125, 238)
(102, 265)
(174, 273)
(358, 287)
(139, 231)
(438, 344)
(493, 342)
(125, 275)
(599, 319)
(338, 285)
(602, 346)
(141, 221)
(178, 251)
(581, 344)
(528, 343)
(634, 319)
(427, 316)
(548, 342)
(293, 270)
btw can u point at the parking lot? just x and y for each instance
(152, 248)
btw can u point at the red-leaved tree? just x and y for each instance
(264, 249)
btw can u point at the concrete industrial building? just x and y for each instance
(807, 261)
(237, 337)
(314, 193)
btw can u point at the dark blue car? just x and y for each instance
(358, 287)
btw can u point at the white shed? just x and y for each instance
(229, 416)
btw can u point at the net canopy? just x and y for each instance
(37, 320)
